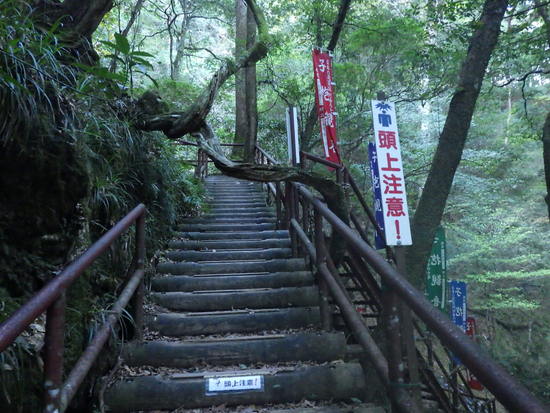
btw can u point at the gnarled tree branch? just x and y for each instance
(177, 124)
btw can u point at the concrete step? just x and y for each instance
(258, 254)
(240, 214)
(318, 347)
(240, 235)
(214, 219)
(186, 268)
(341, 381)
(236, 195)
(227, 282)
(231, 245)
(226, 227)
(235, 206)
(238, 299)
(221, 322)
(363, 408)
(235, 200)
(232, 209)
(256, 197)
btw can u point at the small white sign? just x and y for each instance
(392, 178)
(292, 137)
(235, 383)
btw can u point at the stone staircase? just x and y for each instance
(236, 323)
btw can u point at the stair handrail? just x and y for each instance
(344, 176)
(51, 299)
(509, 392)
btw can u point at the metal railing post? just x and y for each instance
(278, 205)
(326, 313)
(407, 334)
(54, 346)
(137, 300)
(292, 195)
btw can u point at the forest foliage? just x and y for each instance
(496, 218)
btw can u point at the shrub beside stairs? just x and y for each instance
(237, 322)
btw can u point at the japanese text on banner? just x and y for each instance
(436, 271)
(324, 100)
(458, 309)
(390, 171)
(378, 213)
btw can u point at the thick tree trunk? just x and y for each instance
(79, 20)
(546, 157)
(241, 46)
(451, 142)
(251, 94)
(545, 15)
(180, 50)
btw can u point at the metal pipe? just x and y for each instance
(54, 345)
(321, 257)
(137, 301)
(85, 362)
(305, 240)
(19, 321)
(513, 395)
(361, 333)
(267, 156)
(359, 228)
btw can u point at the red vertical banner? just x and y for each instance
(324, 100)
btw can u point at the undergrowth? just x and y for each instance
(71, 166)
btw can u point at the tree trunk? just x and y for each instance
(80, 20)
(545, 15)
(453, 137)
(180, 49)
(241, 46)
(251, 95)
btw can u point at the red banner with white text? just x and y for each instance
(326, 107)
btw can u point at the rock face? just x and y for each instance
(236, 320)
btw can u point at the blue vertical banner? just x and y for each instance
(378, 212)
(458, 308)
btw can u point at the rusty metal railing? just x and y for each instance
(51, 299)
(297, 204)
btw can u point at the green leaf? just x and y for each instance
(114, 56)
(139, 60)
(150, 78)
(122, 43)
(143, 54)
(108, 44)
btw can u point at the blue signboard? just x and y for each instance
(458, 307)
(378, 212)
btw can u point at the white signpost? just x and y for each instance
(292, 135)
(390, 169)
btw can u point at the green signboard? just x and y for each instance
(436, 272)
